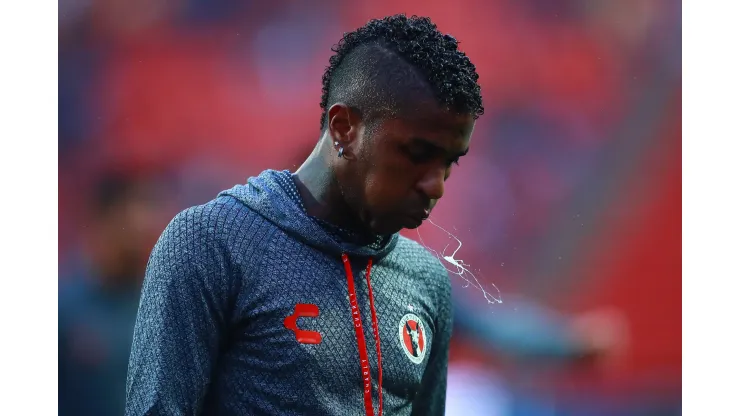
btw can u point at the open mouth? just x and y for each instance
(417, 218)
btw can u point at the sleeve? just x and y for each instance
(519, 328)
(430, 399)
(181, 321)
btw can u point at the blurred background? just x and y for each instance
(569, 202)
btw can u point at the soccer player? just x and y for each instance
(294, 294)
(99, 287)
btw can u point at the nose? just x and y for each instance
(432, 184)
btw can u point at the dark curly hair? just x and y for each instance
(378, 66)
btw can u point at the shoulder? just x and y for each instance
(220, 220)
(419, 257)
(423, 262)
(221, 234)
(220, 211)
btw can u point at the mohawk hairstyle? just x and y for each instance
(381, 64)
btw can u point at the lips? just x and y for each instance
(411, 222)
(420, 215)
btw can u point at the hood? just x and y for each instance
(264, 195)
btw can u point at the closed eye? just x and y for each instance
(417, 155)
(422, 151)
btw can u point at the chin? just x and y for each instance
(395, 226)
(385, 230)
(412, 227)
(386, 227)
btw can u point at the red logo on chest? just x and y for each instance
(303, 310)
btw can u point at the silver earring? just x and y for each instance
(341, 152)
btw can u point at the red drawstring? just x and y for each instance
(376, 332)
(360, 335)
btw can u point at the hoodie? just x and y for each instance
(251, 307)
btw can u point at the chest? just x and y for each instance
(297, 322)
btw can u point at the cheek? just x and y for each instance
(385, 190)
(388, 181)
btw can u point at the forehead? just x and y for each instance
(446, 129)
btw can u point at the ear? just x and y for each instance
(344, 128)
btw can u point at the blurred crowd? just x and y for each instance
(569, 201)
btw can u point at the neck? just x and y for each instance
(320, 192)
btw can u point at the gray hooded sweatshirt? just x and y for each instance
(251, 307)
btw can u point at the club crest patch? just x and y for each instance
(413, 337)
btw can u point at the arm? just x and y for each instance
(530, 334)
(430, 399)
(518, 327)
(181, 321)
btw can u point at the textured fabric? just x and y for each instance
(210, 336)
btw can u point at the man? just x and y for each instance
(291, 294)
(99, 293)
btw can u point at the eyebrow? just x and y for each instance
(437, 148)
